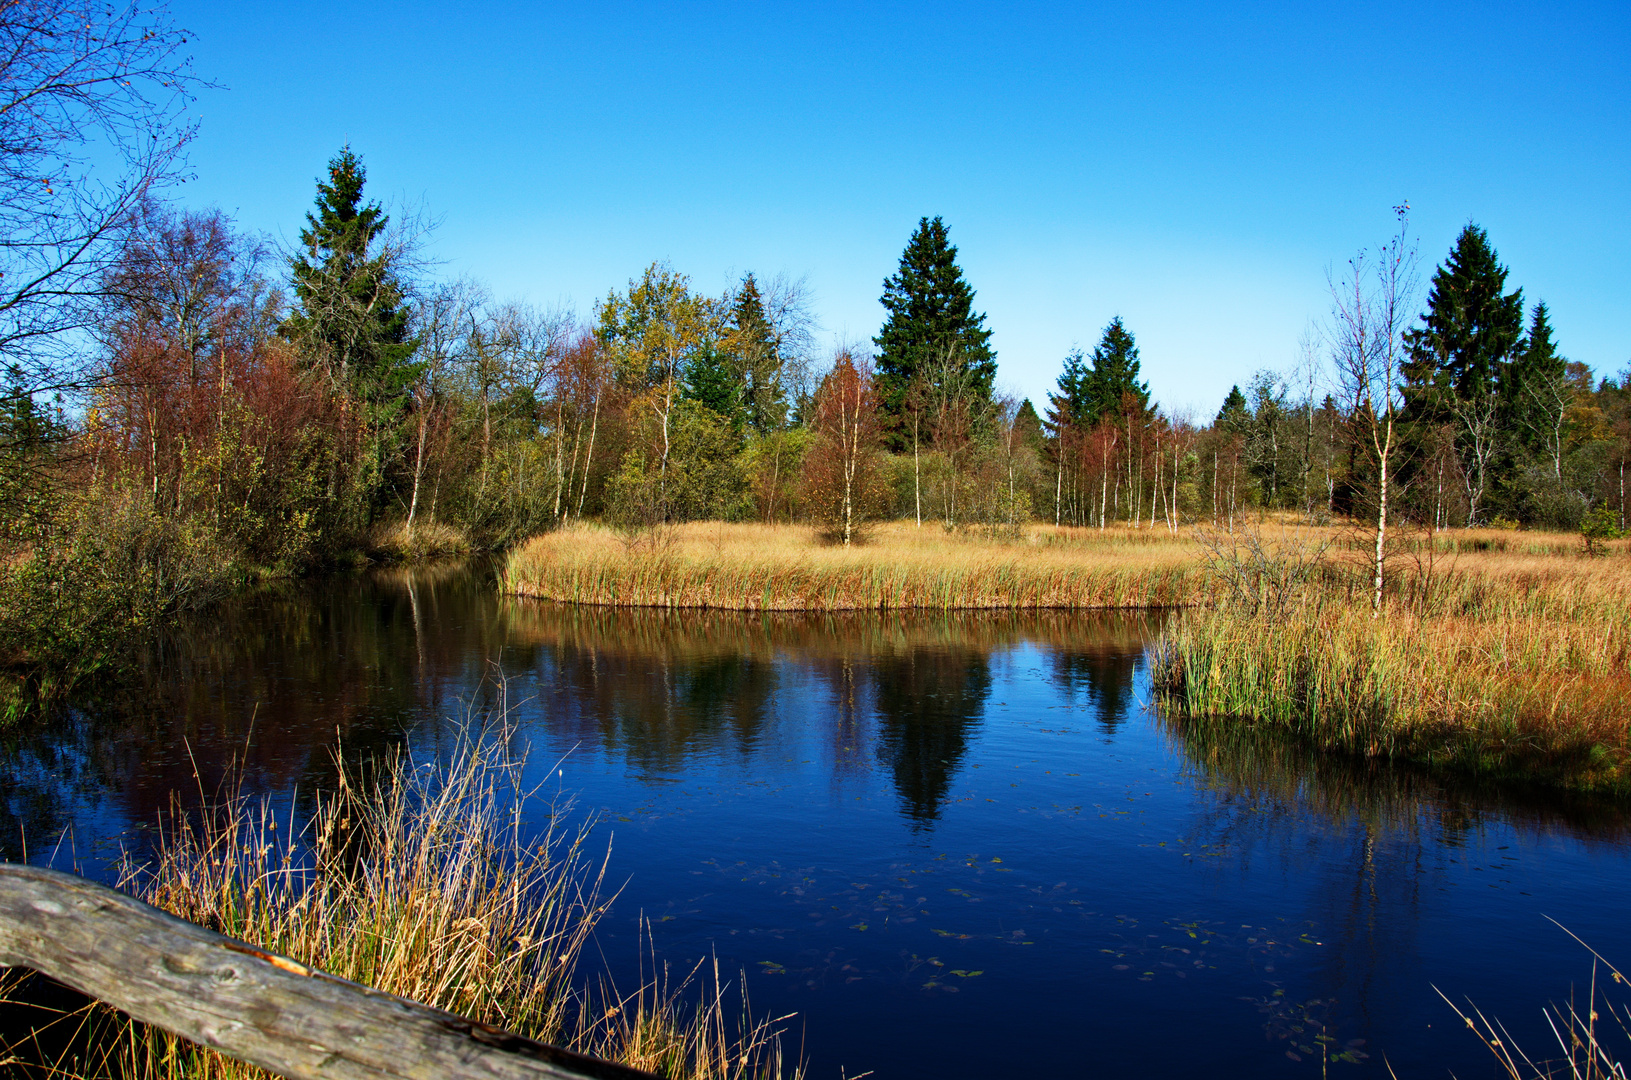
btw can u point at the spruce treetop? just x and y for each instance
(1071, 405)
(1234, 416)
(351, 315)
(1471, 328)
(1115, 374)
(932, 335)
(758, 361)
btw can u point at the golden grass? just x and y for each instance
(423, 882)
(900, 566)
(1506, 653)
(394, 541)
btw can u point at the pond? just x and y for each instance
(952, 844)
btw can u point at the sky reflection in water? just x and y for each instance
(950, 843)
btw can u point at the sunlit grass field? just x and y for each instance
(1494, 652)
(900, 566)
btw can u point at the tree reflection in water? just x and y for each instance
(928, 700)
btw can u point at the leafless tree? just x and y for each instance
(442, 320)
(1370, 309)
(788, 304)
(92, 123)
(1548, 396)
(1479, 419)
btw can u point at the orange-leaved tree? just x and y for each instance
(843, 478)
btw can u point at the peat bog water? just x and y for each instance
(954, 845)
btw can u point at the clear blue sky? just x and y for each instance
(1194, 168)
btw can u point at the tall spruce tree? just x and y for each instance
(756, 358)
(351, 317)
(933, 337)
(1234, 417)
(1469, 333)
(1537, 393)
(1457, 364)
(1070, 407)
(1115, 375)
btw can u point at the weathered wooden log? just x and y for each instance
(250, 1004)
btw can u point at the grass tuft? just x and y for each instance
(424, 882)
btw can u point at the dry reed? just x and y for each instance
(1593, 1044)
(424, 882)
(1508, 658)
(899, 567)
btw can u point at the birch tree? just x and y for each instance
(1369, 305)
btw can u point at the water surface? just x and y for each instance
(953, 845)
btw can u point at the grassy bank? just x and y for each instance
(423, 883)
(1501, 654)
(900, 566)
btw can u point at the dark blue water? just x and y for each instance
(952, 845)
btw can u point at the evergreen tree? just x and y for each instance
(1469, 332)
(1457, 362)
(25, 428)
(1536, 392)
(1115, 374)
(711, 382)
(351, 316)
(1234, 417)
(1071, 406)
(933, 336)
(1028, 425)
(757, 360)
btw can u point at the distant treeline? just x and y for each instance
(284, 408)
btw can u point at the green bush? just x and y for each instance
(74, 601)
(1600, 526)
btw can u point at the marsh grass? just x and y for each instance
(394, 541)
(1593, 1035)
(1506, 657)
(424, 880)
(899, 567)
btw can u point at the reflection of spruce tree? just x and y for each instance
(1107, 678)
(721, 692)
(927, 701)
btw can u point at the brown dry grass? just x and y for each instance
(1495, 652)
(900, 566)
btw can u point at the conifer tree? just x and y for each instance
(1234, 417)
(1537, 393)
(1469, 332)
(1458, 359)
(1028, 425)
(933, 336)
(757, 360)
(710, 382)
(351, 317)
(1115, 374)
(1070, 406)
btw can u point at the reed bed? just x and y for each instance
(899, 567)
(1498, 660)
(424, 882)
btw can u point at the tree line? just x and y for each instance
(274, 410)
(286, 407)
